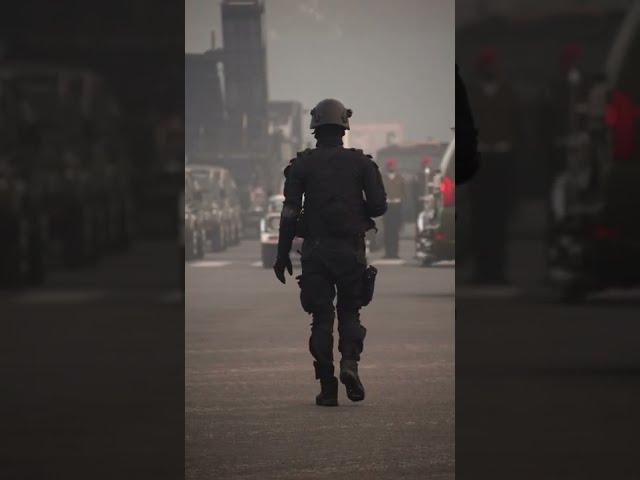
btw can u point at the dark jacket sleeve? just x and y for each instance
(375, 195)
(467, 157)
(293, 191)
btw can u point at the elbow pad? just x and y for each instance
(289, 212)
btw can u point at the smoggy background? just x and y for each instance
(388, 61)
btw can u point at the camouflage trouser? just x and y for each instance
(330, 267)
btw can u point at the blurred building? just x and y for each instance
(245, 70)
(229, 119)
(204, 102)
(285, 127)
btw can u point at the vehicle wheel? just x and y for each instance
(77, 233)
(10, 252)
(123, 234)
(217, 240)
(189, 245)
(229, 240)
(269, 253)
(236, 235)
(572, 294)
(200, 244)
(36, 275)
(94, 239)
(428, 262)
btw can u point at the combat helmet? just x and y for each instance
(330, 112)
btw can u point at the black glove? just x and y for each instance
(280, 265)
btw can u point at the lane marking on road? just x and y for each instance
(256, 264)
(209, 263)
(388, 261)
(445, 263)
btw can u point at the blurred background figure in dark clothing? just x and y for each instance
(393, 219)
(467, 134)
(493, 105)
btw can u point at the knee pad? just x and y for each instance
(321, 339)
(322, 324)
(349, 325)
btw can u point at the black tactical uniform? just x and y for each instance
(466, 135)
(342, 191)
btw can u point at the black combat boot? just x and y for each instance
(328, 396)
(349, 377)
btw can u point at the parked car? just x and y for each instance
(231, 207)
(194, 234)
(594, 239)
(255, 211)
(66, 144)
(435, 224)
(22, 232)
(204, 196)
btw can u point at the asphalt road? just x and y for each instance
(544, 390)
(92, 371)
(250, 387)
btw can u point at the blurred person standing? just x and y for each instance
(342, 190)
(393, 220)
(493, 104)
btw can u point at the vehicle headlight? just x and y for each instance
(263, 225)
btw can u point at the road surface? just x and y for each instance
(92, 371)
(250, 387)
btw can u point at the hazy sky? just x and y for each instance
(388, 60)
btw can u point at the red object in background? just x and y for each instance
(439, 236)
(570, 53)
(620, 115)
(391, 162)
(487, 56)
(447, 188)
(425, 161)
(603, 231)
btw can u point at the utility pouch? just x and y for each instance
(369, 283)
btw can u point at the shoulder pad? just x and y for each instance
(288, 167)
(370, 158)
(303, 153)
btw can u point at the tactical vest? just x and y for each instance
(333, 199)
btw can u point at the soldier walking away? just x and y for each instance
(393, 219)
(343, 191)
